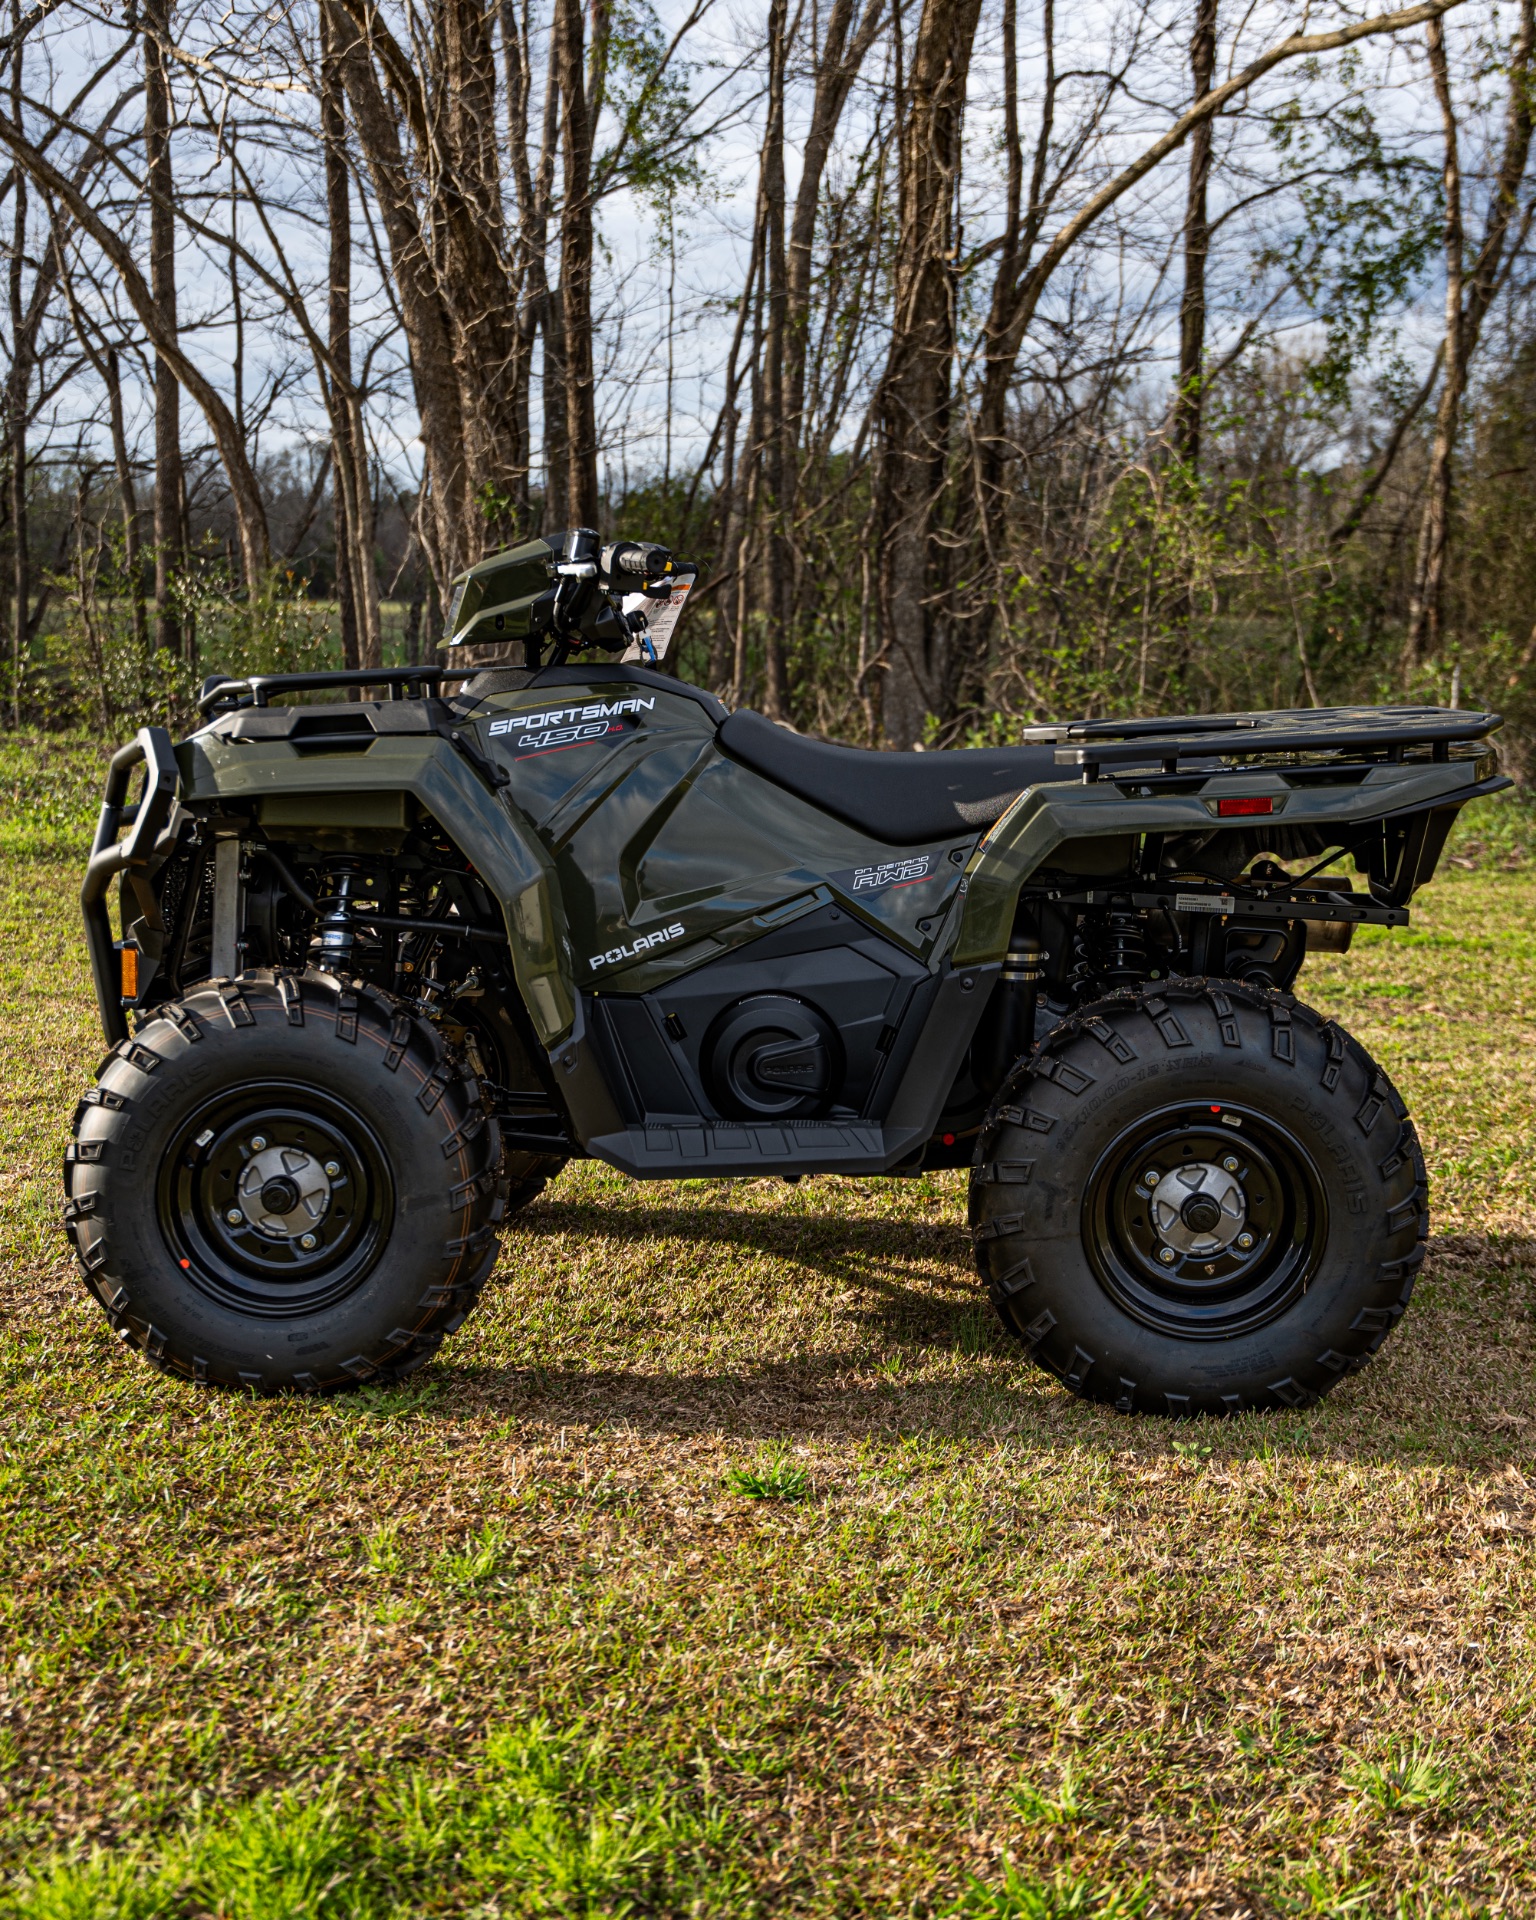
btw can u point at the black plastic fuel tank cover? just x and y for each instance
(771, 1056)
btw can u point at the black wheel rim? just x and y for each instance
(275, 1199)
(1205, 1221)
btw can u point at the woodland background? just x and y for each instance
(999, 361)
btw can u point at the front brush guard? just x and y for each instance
(110, 856)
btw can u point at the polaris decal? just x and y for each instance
(642, 943)
(889, 873)
(560, 727)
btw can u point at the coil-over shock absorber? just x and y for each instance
(1119, 948)
(335, 930)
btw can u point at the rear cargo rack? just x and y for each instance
(1243, 742)
(220, 693)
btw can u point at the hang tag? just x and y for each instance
(662, 612)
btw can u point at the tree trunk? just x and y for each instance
(1467, 300)
(171, 634)
(913, 406)
(837, 67)
(567, 50)
(160, 332)
(454, 276)
(338, 376)
(1021, 231)
(128, 494)
(551, 319)
(357, 591)
(428, 328)
(789, 261)
(533, 201)
(17, 397)
(771, 426)
(1434, 528)
(461, 165)
(1189, 401)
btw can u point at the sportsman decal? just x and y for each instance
(642, 943)
(552, 729)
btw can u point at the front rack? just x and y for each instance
(1236, 741)
(221, 693)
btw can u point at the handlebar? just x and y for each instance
(628, 561)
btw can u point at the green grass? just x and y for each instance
(730, 1562)
(772, 1477)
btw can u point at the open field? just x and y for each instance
(731, 1561)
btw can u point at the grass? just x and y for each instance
(1412, 1779)
(730, 1562)
(772, 1477)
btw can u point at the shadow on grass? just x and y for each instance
(1455, 1385)
(824, 1242)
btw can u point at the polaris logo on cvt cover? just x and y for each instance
(641, 943)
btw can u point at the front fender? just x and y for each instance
(346, 789)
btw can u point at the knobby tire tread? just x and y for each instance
(356, 1016)
(1146, 1023)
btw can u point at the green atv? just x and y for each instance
(387, 963)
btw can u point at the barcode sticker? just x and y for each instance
(1204, 902)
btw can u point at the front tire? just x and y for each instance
(1199, 1198)
(284, 1184)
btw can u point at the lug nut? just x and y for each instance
(1230, 1164)
(332, 1168)
(234, 1216)
(1245, 1241)
(258, 1141)
(1167, 1256)
(1151, 1177)
(307, 1242)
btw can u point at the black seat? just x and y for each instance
(901, 799)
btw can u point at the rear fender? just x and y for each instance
(483, 825)
(1421, 797)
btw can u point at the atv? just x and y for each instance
(387, 960)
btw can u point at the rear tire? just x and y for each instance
(1199, 1198)
(284, 1184)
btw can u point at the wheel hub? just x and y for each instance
(1199, 1208)
(276, 1198)
(1204, 1221)
(284, 1192)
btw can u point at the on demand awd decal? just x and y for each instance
(568, 726)
(901, 872)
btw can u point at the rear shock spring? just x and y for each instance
(1123, 960)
